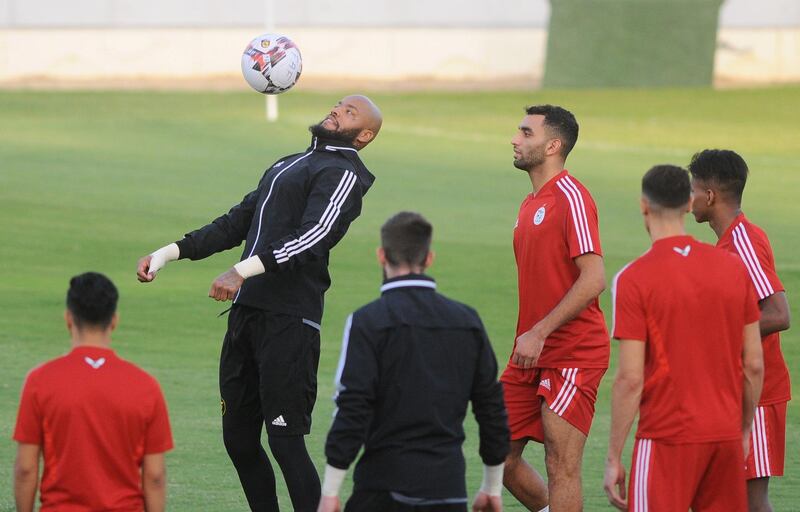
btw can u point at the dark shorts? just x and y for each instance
(372, 501)
(268, 371)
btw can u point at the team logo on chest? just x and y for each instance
(538, 217)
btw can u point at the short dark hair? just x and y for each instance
(723, 167)
(561, 121)
(92, 300)
(406, 238)
(667, 186)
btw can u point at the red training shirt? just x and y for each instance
(95, 417)
(554, 227)
(689, 302)
(753, 247)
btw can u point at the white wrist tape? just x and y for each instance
(492, 480)
(332, 481)
(163, 256)
(250, 267)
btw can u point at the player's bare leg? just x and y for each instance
(522, 481)
(563, 449)
(758, 495)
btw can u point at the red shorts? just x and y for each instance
(703, 476)
(568, 392)
(767, 442)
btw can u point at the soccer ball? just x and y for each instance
(271, 63)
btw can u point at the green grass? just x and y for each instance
(92, 181)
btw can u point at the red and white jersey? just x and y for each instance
(95, 416)
(554, 227)
(753, 247)
(689, 302)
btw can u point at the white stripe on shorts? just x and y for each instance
(640, 487)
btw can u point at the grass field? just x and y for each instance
(92, 181)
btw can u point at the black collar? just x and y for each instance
(408, 280)
(323, 144)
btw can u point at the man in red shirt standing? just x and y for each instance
(99, 421)
(561, 349)
(690, 363)
(718, 180)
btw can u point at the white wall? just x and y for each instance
(492, 57)
(146, 42)
(329, 13)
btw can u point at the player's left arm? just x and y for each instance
(333, 203)
(154, 482)
(590, 283)
(775, 316)
(756, 253)
(626, 394)
(26, 476)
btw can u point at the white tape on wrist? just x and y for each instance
(332, 481)
(250, 267)
(163, 256)
(492, 480)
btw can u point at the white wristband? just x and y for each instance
(250, 267)
(163, 256)
(333, 480)
(492, 480)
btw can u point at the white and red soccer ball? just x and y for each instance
(271, 63)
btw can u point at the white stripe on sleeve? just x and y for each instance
(324, 225)
(578, 217)
(748, 254)
(585, 219)
(337, 381)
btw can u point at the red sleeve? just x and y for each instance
(754, 250)
(629, 321)
(752, 313)
(583, 233)
(29, 419)
(159, 435)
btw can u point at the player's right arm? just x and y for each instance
(490, 413)
(223, 233)
(154, 482)
(356, 390)
(626, 395)
(753, 366)
(26, 476)
(630, 328)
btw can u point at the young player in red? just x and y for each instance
(99, 421)
(561, 349)
(690, 363)
(718, 180)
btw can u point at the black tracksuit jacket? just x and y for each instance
(410, 363)
(301, 208)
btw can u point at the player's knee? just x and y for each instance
(240, 447)
(286, 448)
(562, 467)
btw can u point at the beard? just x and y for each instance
(528, 161)
(346, 136)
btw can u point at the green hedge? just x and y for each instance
(624, 43)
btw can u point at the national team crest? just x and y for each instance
(539, 216)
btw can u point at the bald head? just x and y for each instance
(355, 120)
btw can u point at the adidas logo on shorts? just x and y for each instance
(545, 383)
(279, 421)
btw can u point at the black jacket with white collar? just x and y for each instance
(410, 363)
(301, 208)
